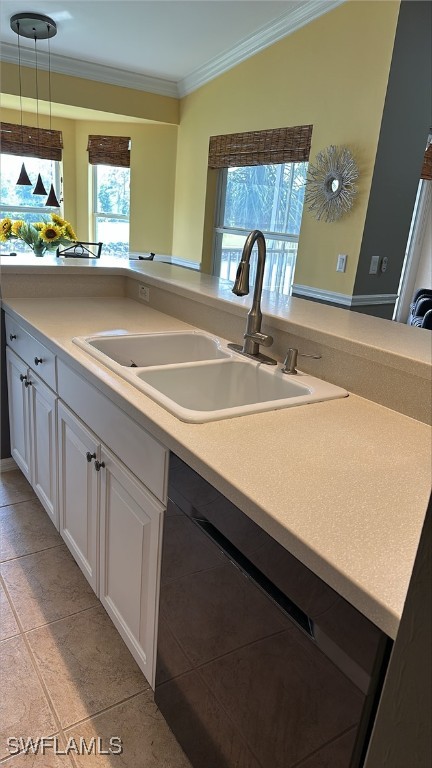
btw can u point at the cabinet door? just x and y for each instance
(18, 412)
(43, 436)
(130, 529)
(78, 492)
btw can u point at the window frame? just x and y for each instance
(100, 214)
(220, 230)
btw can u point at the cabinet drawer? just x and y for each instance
(32, 351)
(144, 455)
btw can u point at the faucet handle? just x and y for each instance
(261, 338)
(290, 362)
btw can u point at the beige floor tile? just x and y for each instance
(47, 756)
(24, 710)
(147, 742)
(8, 625)
(25, 528)
(46, 586)
(85, 665)
(14, 488)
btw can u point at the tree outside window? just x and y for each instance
(265, 197)
(111, 208)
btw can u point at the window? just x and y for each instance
(19, 202)
(262, 178)
(111, 196)
(269, 198)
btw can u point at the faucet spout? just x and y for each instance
(253, 336)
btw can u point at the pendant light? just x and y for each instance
(23, 178)
(52, 197)
(37, 27)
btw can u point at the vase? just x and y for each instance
(39, 250)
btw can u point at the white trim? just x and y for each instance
(88, 70)
(299, 14)
(7, 464)
(345, 299)
(422, 210)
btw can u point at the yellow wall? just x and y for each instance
(153, 160)
(333, 74)
(78, 92)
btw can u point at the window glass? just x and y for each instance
(265, 197)
(111, 208)
(18, 201)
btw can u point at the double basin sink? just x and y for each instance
(197, 378)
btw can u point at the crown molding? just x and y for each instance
(344, 299)
(299, 14)
(64, 65)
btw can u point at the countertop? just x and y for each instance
(344, 485)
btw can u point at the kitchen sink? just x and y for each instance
(198, 378)
(226, 388)
(149, 349)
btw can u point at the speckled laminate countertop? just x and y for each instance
(344, 485)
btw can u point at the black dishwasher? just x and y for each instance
(260, 664)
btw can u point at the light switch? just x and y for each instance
(373, 269)
(341, 262)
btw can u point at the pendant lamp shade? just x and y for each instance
(52, 198)
(40, 187)
(23, 178)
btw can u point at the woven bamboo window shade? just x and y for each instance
(278, 145)
(31, 142)
(426, 171)
(109, 150)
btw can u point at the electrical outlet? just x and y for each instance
(144, 292)
(341, 262)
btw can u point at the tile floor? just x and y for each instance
(65, 672)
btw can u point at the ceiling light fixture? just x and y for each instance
(35, 26)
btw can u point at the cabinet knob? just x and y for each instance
(28, 383)
(90, 456)
(38, 360)
(22, 377)
(12, 336)
(99, 465)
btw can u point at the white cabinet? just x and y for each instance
(111, 523)
(78, 492)
(130, 522)
(32, 417)
(19, 422)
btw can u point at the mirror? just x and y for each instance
(333, 185)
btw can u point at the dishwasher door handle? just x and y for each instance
(299, 617)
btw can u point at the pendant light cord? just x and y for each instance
(20, 85)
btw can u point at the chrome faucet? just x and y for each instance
(253, 337)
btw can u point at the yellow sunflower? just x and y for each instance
(69, 231)
(39, 225)
(50, 233)
(58, 220)
(16, 226)
(5, 229)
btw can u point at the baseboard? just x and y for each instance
(343, 299)
(7, 464)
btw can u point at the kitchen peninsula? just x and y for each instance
(338, 484)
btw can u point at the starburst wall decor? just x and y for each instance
(330, 188)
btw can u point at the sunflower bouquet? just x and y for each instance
(41, 236)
